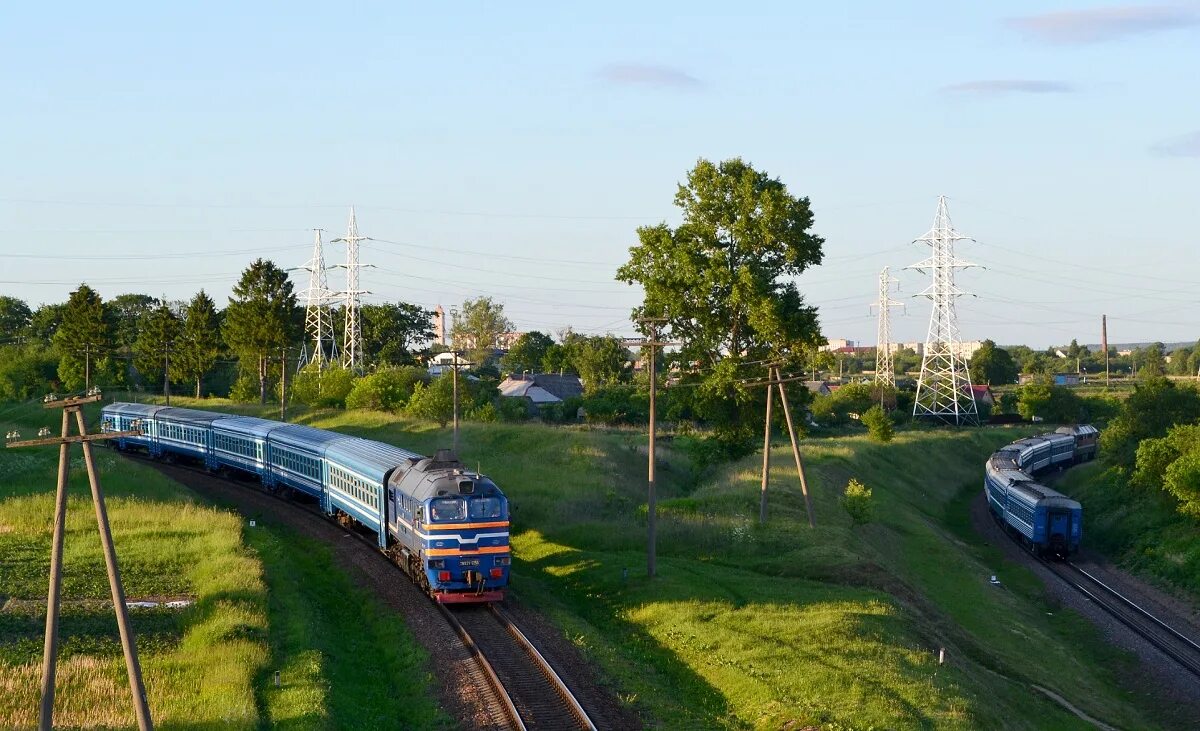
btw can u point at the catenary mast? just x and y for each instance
(944, 390)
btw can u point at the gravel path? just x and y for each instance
(1160, 682)
(370, 569)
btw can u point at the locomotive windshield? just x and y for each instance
(485, 507)
(447, 508)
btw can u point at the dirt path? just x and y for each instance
(370, 570)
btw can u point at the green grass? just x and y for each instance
(1139, 529)
(758, 627)
(263, 600)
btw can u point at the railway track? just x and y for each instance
(535, 696)
(528, 694)
(1172, 643)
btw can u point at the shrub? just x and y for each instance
(486, 413)
(857, 502)
(245, 388)
(617, 405)
(387, 390)
(512, 409)
(433, 401)
(326, 388)
(878, 423)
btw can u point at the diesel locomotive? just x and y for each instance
(446, 526)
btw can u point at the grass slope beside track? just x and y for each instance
(784, 626)
(263, 600)
(1140, 529)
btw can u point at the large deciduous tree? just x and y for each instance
(393, 331)
(260, 319)
(478, 328)
(200, 340)
(14, 317)
(527, 353)
(83, 340)
(992, 365)
(127, 313)
(599, 360)
(722, 279)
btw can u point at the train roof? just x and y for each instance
(304, 437)
(1078, 430)
(129, 409)
(250, 426)
(441, 475)
(369, 458)
(188, 416)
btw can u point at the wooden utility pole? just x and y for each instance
(775, 378)
(1104, 346)
(167, 372)
(652, 324)
(766, 470)
(74, 405)
(455, 439)
(283, 383)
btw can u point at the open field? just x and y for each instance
(263, 600)
(756, 627)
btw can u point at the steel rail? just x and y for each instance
(1123, 616)
(510, 708)
(1128, 602)
(545, 667)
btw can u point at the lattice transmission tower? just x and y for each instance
(318, 320)
(944, 390)
(352, 347)
(885, 374)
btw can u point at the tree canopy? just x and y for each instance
(528, 353)
(15, 316)
(392, 331)
(260, 319)
(478, 327)
(199, 342)
(83, 339)
(992, 365)
(723, 280)
(157, 335)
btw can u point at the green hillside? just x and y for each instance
(756, 627)
(255, 603)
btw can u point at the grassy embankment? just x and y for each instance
(757, 627)
(263, 600)
(1140, 530)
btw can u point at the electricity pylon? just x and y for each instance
(944, 390)
(885, 374)
(318, 321)
(352, 347)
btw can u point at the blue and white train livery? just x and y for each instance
(445, 526)
(1046, 520)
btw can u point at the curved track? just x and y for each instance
(536, 696)
(528, 694)
(1172, 643)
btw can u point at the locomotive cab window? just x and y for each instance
(484, 508)
(444, 509)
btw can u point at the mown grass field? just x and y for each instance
(263, 600)
(779, 626)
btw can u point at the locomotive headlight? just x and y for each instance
(503, 560)
(437, 563)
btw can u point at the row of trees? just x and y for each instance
(135, 340)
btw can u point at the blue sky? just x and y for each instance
(513, 150)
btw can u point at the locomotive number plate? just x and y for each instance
(469, 562)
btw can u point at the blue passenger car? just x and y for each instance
(445, 525)
(1044, 519)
